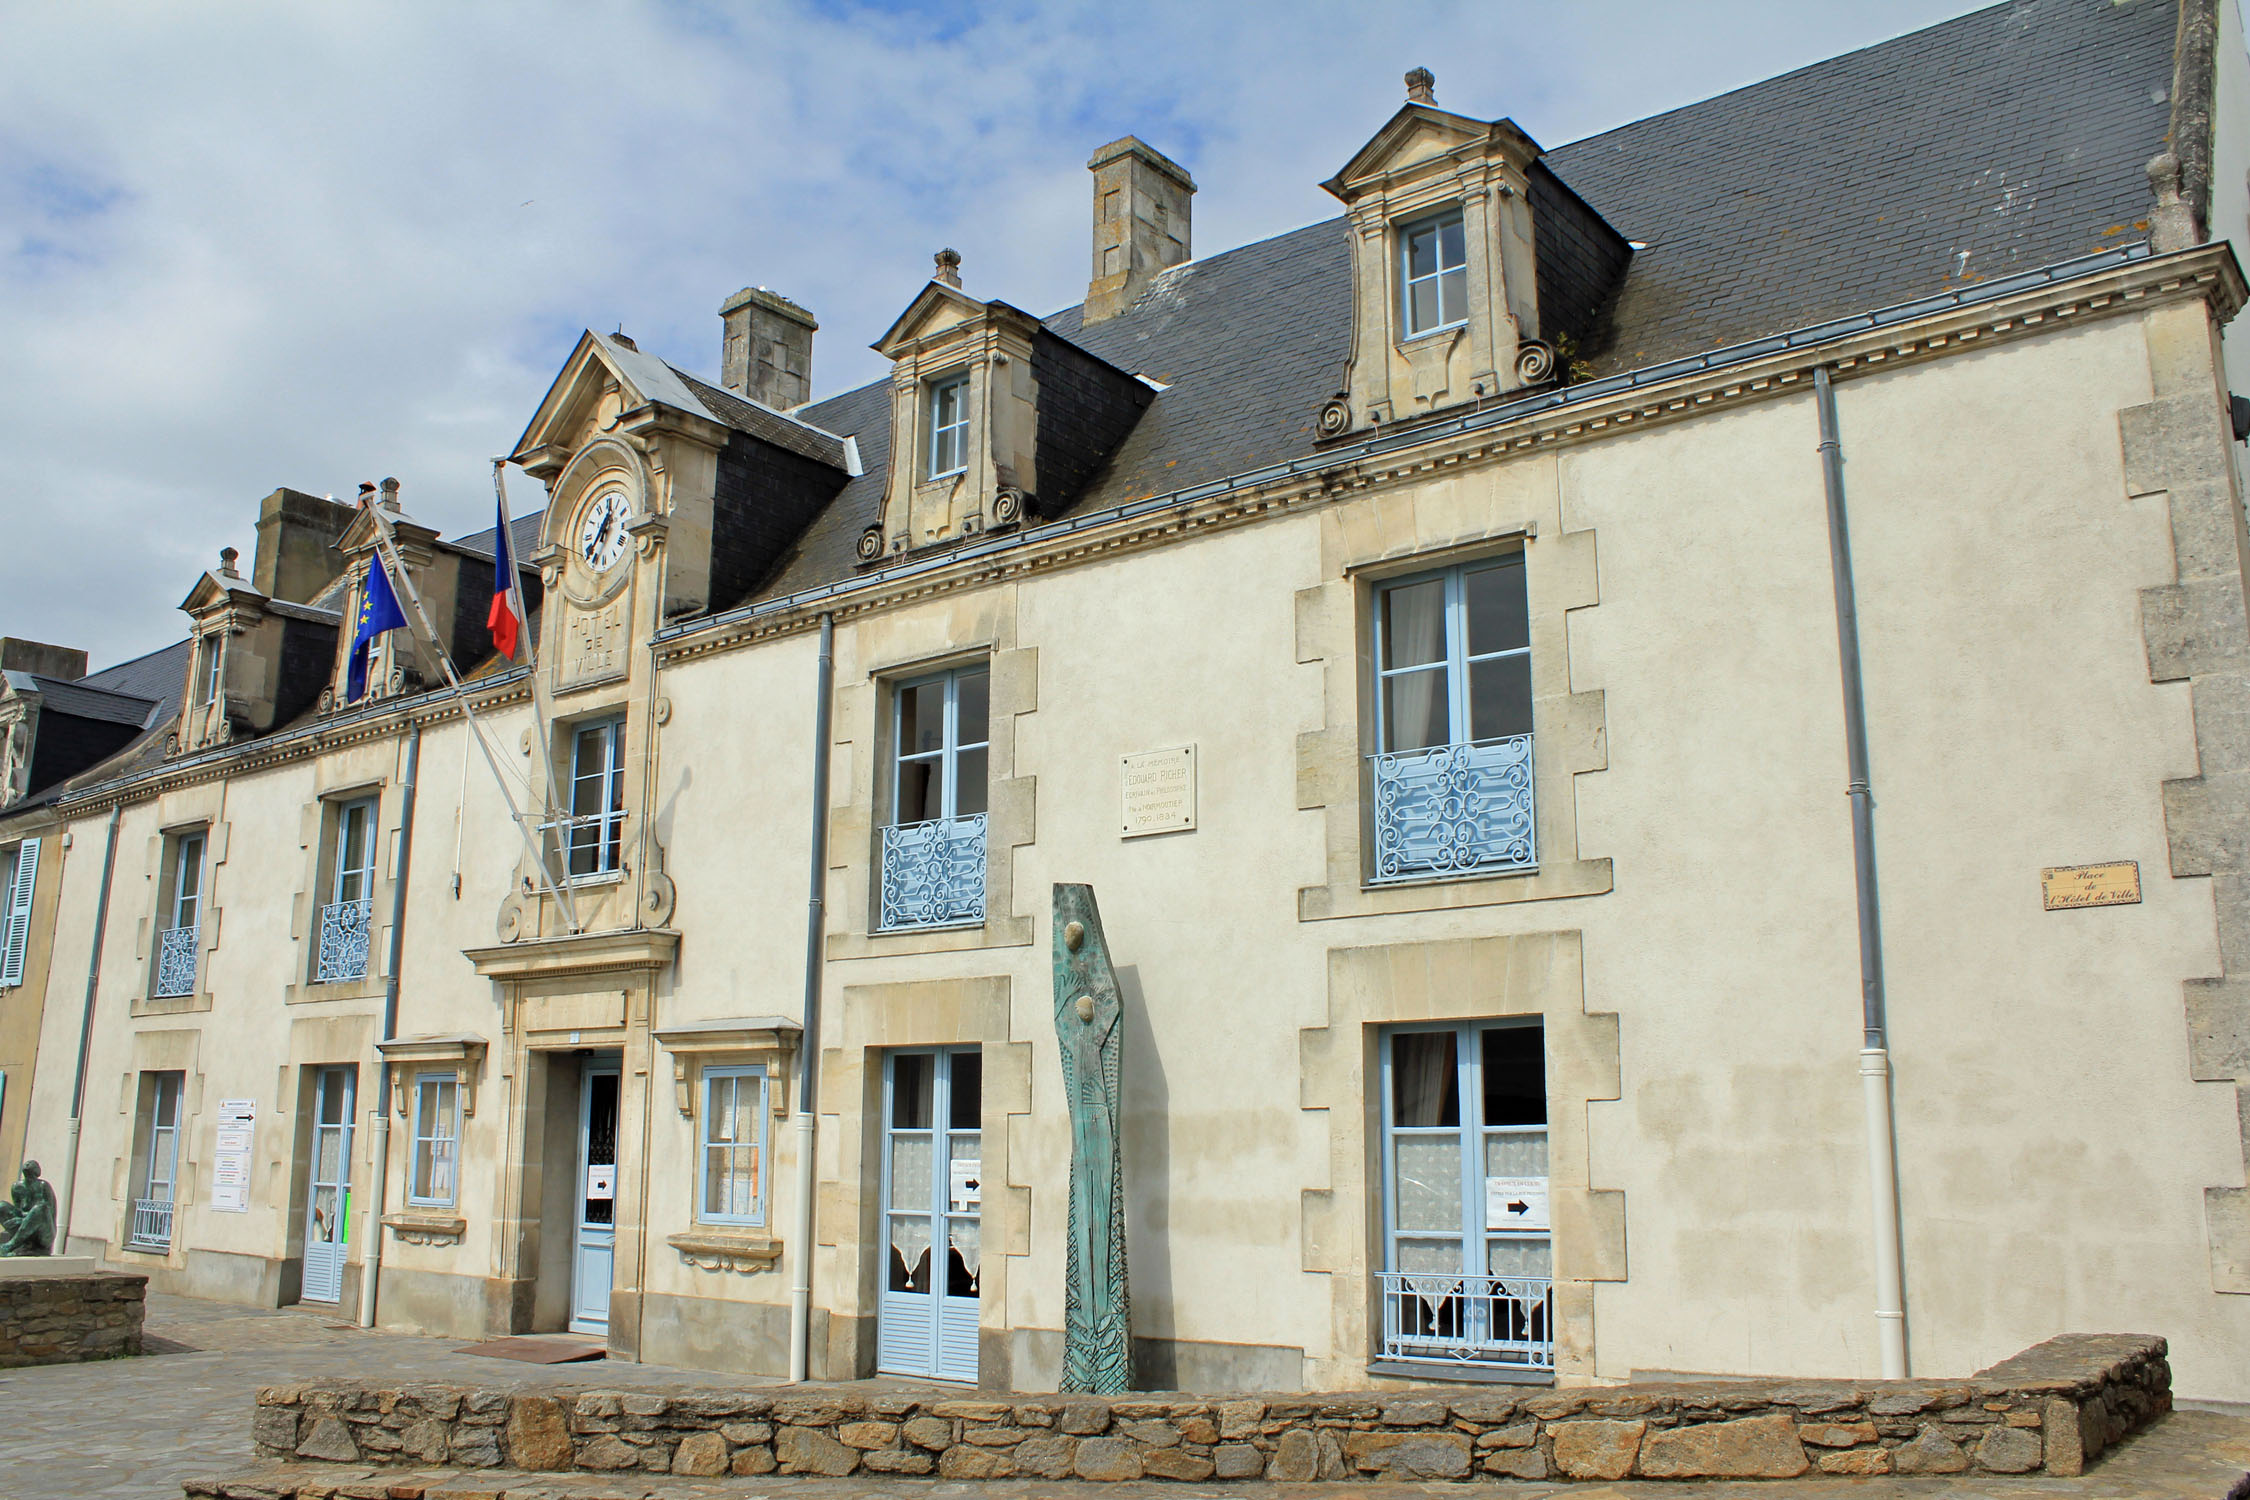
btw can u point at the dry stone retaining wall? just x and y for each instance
(62, 1320)
(2050, 1408)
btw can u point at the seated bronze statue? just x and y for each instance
(27, 1219)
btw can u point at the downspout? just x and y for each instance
(86, 1038)
(808, 1040)
(379, 1151)
(1874, 1054)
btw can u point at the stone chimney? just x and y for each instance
(1141, 213)
(768, 351)
(297, 535)
(60, 662)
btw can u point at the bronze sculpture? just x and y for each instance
(1097, 1315)
(27, 1219)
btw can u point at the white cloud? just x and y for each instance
(251, 246)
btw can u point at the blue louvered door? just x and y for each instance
(933, 1190)
(328, 1203)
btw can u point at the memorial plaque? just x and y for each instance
(2063, 887)
(1158, 792)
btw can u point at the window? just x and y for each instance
(437, 1136)
(734, 1146)
(1434, 271)
(179, 936)
(1467, 1273)
(949, 426)
(208, 659)
(344, 917)
(1451, 776)
(19, 874)
(933, 847)
(597, 799)
(159, 1166)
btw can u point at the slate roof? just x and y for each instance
(161, 675)
(2000, 141)
(2006, 139)
(64, 696)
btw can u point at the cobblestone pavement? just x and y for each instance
(133, 1429)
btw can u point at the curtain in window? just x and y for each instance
(1415, 632)
(1423, 1079)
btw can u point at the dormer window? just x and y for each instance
(1434, 270)
(949, 426)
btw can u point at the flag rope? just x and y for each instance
(541, 723)
(386, 547)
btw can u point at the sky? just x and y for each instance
(255, 245)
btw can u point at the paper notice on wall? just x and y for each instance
(968, 1185)
(601, 1183)
(230, 1156)
(1515, 1203)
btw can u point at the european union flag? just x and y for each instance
(378, 612)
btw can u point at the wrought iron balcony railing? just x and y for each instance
(152, 1224)
(1453, 810)
(933, 873)
(343, 941)
(1468, 1320)
(177, 949)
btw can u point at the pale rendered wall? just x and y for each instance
(2053, 1150)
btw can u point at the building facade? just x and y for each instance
(1431, 633)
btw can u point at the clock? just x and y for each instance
(601, 535)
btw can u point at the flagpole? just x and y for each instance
(539, 719)
(387, 551)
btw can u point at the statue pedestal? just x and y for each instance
(45, 1265)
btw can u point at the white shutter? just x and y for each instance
(18, 929)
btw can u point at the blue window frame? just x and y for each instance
(1451, 776)
(933, 846)
(596, 826)
(1467, 1270)
(949, 426)
(434, 1179)
(1434, 273)
(733, 1146)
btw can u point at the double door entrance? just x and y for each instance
(933, 1190)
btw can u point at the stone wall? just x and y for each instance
(2052, 1408)
(61, 1320)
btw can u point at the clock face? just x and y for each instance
(601, 535)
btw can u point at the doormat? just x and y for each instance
(535, 1350)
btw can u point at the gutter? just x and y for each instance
(379, 1152)
(1336, 458)
(86, 1037)
(800, 1244)
(1874, 1054)
(1345, 454)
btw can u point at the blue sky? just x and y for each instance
(279, 244)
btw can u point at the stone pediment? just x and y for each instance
(1422, 132)
(214, 589)
(571, 409)
(359, 538)
(935, 309)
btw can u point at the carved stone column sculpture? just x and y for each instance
(1097, 1315)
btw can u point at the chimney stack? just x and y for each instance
(767, 355)
(297, 535)
(1141, 214)
(63, 662)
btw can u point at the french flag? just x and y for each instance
(507, 617)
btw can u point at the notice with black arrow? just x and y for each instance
(1515, 1203)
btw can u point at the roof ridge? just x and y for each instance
(1832, 60)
